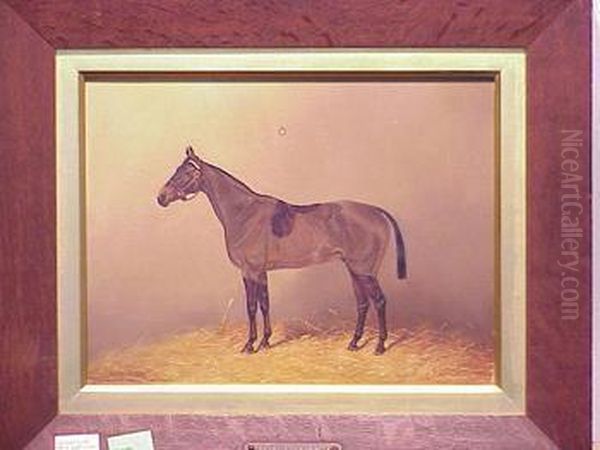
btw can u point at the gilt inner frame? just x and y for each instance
(505, 68)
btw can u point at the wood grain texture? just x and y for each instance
(559, 359)
(27, 233)
(276, 23)
(186, 432)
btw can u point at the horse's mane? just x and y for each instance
(237, 181)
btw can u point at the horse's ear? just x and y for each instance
(189, 151)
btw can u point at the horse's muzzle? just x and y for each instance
(162, 200)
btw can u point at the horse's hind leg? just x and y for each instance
(362, 306)
(371, 286)
(263, 301)
(252, 288)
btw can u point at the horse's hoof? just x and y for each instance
(248, 349)
(352, 346)
(264, 345)
(380, 349)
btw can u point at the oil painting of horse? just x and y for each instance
(285, 231)
(263, 233)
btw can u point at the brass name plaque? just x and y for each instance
(293, 446)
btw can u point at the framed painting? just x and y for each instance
(432, 155)
(254, 243)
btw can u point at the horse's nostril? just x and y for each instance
(161, 199)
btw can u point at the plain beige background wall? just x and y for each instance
(423, 151)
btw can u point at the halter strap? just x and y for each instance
(181, 189)
(194, 164)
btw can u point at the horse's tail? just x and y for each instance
(400, 250)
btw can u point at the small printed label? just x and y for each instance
(141, 440)
(293, 446)
(77, 442)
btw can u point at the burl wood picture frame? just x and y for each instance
(555, 36)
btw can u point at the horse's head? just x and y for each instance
(185, 183)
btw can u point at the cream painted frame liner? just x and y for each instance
(506, 398)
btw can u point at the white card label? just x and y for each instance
(77, 442)
(141, 440)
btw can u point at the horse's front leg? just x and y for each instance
(251, 287)
(263, 301)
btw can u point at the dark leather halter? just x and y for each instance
(181, 190)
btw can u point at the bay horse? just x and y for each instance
(264, 233)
